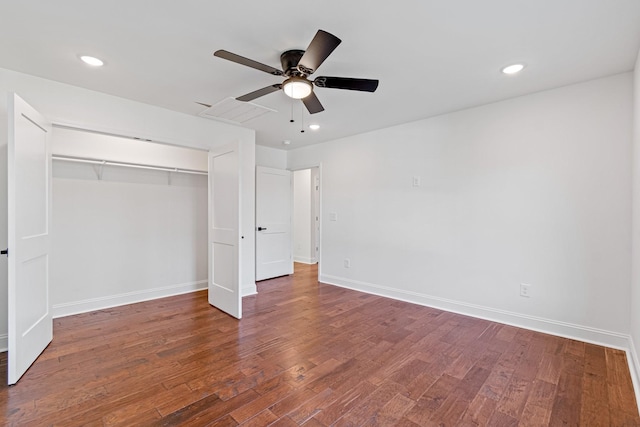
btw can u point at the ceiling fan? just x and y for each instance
(298, 65)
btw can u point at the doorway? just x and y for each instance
(306, 216)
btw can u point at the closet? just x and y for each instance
(129, 220)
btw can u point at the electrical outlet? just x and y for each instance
(525, 290)
(347, 263)
(416, 181)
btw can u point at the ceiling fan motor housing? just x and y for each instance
(290, 60)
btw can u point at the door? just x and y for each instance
(273, 223)
(29, 222)
(224, 229)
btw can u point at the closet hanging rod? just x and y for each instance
(126, 164)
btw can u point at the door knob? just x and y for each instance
(262, 228)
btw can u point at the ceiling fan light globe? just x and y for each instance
(297, 88)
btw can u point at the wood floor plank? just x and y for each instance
(369, 408)
(263, 418)
(568, 402)
(514, 398)
(311, 354)
(311, 407)
(595, 401)
(292, 401)
(345, 403)
(206, 410)
(620, 396)
(432, 399)
(549, 368)
(261, 403)
(391, 412)
(479, 411)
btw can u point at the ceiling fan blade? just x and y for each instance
(312, 103)
(258, 93)
(365, 85)
(319, 49)
(247, 62)
(202, 103)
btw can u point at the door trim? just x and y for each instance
(319, 242)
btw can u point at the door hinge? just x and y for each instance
(5, 252)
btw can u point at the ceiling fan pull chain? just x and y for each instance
(291, 102)
(301, 119)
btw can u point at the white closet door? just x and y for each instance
(29, 214)
(224, 229)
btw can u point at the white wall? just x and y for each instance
(302, 225)
(127, 237)
(74, 106)
(531, 190)
(271, 157)
(635, 280)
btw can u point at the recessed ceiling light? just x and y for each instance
(94, 62)
(513, 69)
(314, 127)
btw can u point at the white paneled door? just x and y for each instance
(224, 229)
(29, 222)
(273, 223)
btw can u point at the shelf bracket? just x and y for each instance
(99, 169)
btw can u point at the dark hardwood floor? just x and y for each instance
(313, 354)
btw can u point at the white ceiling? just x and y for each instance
(431, 56)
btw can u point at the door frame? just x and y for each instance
(319, 241)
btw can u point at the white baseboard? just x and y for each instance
(92, 304)
(250, 289)
(634, 369)
(539, 324)
(304, 260)
(4, 342)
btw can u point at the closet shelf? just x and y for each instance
(100, 162)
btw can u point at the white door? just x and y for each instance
(273, 223)
(224, 229)
(29, 221)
